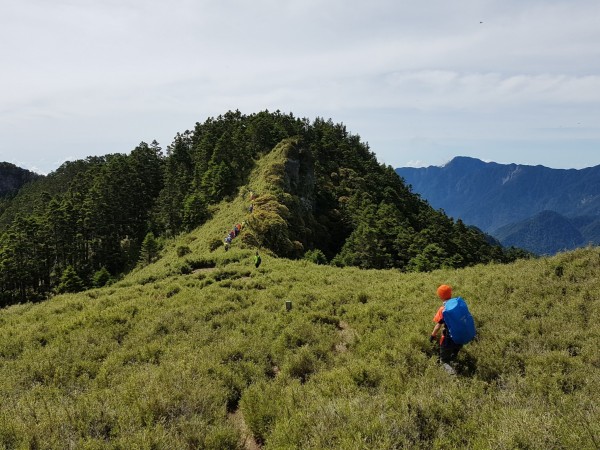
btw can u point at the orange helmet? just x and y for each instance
(444, 292)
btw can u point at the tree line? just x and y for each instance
(95, 219)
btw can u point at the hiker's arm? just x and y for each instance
(436, 329)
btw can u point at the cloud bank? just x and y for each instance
(517, 81)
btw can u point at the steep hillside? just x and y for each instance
(591, 232)
(12, 178)
(319, 191)
(546, 233)
(365, 219)
(198, 350)
(491, 195)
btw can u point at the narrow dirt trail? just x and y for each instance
(204, 270)
(248, 441)
(347, 336)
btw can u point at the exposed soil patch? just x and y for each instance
(248, 442)
(341, 347)
(205, 270)
(347, 337)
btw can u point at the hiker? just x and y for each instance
(251, 208)
(448, 348)
(257, 260)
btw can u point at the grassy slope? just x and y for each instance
(162, 358)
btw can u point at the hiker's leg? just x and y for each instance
(449, 350)
(445, 354)
(455, 351)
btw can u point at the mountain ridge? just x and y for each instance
(491, 195)
(12, 178)
(545, 233)
(318, 189)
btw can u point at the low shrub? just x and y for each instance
(260, 406)
(315, 256)
(301, 364)
(183, 250)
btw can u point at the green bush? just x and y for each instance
(70, 281)
(101, 277)
(183, 250)
(315, 256)
(260, 406)
(301, 364)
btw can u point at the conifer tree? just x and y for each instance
(149, 250)
(70, 281)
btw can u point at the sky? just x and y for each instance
(510, 81)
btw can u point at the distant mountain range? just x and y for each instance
(537, 208)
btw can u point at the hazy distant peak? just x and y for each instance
(464, 162)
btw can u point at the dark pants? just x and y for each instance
(448, 350)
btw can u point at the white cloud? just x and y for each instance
(415, 163)
(428, 76)
(451, 90)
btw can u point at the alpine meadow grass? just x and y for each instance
(163, 358)
(198, 350)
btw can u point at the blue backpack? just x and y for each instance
(459, 321)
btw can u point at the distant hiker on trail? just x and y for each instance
(251, 208)
(456, 323)
(257, 260)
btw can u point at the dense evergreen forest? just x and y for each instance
(93, 220)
